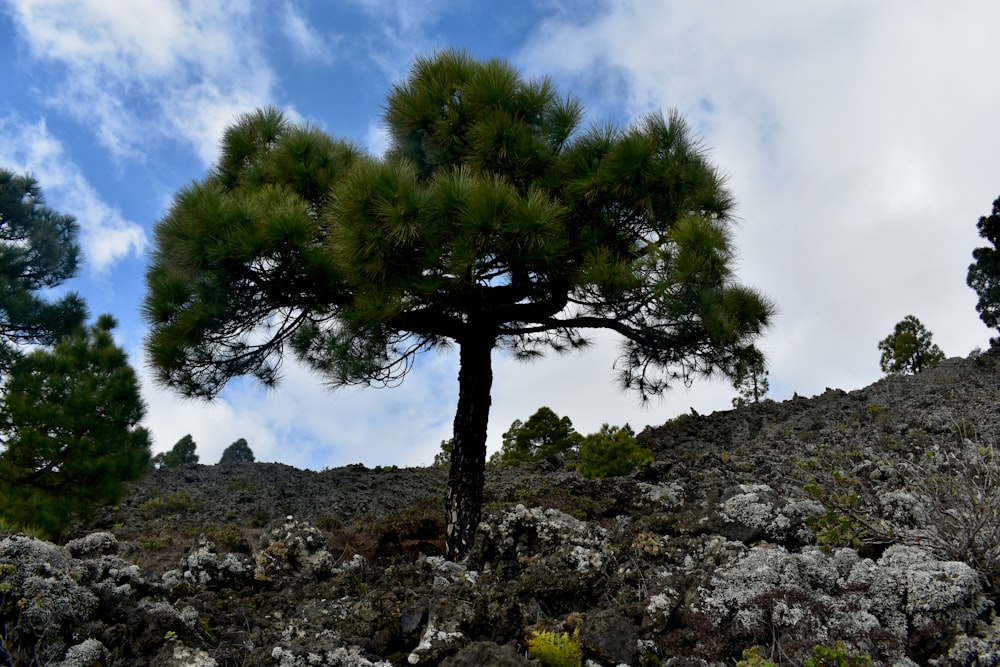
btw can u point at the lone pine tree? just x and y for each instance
(238, 452)
(495, 220)
(984, 272)
(544, 434)
(909, 349)
(182, 453)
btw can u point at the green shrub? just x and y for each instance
(612, 452)
(838, 656)
(823, 656)
(753, 658)
(958, 488)
(553, 649)
(443, 458)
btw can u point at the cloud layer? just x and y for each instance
(150, 69)
(105, 235)
(858, 138)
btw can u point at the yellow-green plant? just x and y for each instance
(823, 656)
(753, 658)
(836, 656)
(555, 649)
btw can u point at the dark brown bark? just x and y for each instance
(468, 455)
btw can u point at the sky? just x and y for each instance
(858, 138)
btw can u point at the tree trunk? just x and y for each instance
(468, 455)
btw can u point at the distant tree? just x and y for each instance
(493, 221)
(543, 435)
(69, 421)
(751, 379)
(38, 251)
(180, 454)
(443, 457)
(908, 349)
(238, 452)
(612, 452)
(984, 273)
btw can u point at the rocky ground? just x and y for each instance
(865, 523)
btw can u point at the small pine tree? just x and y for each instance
(751, 379)
(238, 452)
(612, 452)
(544, 434)
(182, 453)
(69, 422)
(443, 458)
(984, 273)
(908, 349)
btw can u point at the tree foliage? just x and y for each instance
(443, 457)
(612, 452)
(238, 452)
(70, 426)
(544, 434)
(984, 273)
(496, 220)
(38, 251)
(750, 379)
(908, 349)
(182, 453)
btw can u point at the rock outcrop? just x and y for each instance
(859, 522)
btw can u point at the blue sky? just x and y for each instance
(859, 139)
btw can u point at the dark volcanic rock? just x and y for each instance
(848, 517)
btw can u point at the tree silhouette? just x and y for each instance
(182, 453)
(984, 273)
(238, 452)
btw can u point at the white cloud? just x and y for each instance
(105, 235)
(859, 139)
(377, 138)
(131, 65)
(312, 47)
(405, 31)
(302, 424)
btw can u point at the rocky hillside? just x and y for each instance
(843, 528)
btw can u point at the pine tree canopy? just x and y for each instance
(38, 251)
(182, 453)
(909, 349)
(496, 220)
(984, 272)
(544, 434)
(70, 428)
(238, 452)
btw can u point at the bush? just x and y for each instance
(957, 492)
(612, 452)
(553, 649)
(443, 458)
(837, 656)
